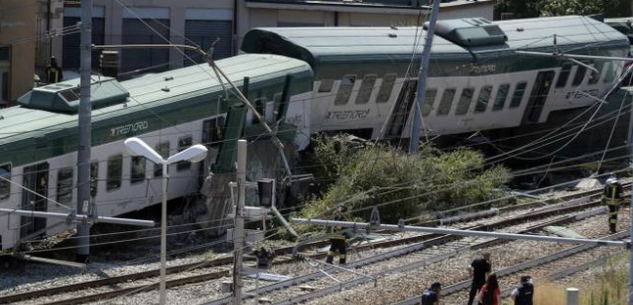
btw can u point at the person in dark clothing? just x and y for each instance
(431, 296)
(524, 293)
(612, 197)
(53, 72)
(479, 270)
(338, 240)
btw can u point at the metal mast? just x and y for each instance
(85, 127)
(414, 143)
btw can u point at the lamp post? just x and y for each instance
(196, 153)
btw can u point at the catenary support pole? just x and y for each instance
(631, 211)
(414, 144)
(163, 238)
(238, 233)
(85, 126)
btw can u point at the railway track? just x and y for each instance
(541, 262)
(432, 251)
(427, 241)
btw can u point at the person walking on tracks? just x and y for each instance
(490, 294)
(338, 240)
(479, 270)
(612, 197)
(431, 296)
(524, 293)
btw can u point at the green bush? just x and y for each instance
(362, 176)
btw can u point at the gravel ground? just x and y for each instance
(400, 286)
(38, 276)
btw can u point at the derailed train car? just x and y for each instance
(170, 111)
(366, 78)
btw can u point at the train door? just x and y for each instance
(538, 97)
(35, 178)
(402, 109)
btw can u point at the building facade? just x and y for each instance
(17, 48)
(203, 22)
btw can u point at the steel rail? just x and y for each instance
(428, 239)
(521, 266)
(425, 262)
(421, 246)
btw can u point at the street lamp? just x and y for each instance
(196, 153)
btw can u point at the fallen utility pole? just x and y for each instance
(414, 144)
(85, 128)
(81, 218)
(364, 225)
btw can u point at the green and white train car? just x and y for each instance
(170, 111)
(366, 78)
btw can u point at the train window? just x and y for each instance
(610, 75)
(561, 82)
(446, 101)
(137, 170)
(366, 88)
(580, 75)
(502, 95)
(183, 144)
(5, 186)
(345, 89)
(326, 85)
(483, 99)
(594, 76)
(388, 81)
(94, 178)
(519, 91)
(163, 150)
(65, 185)
(114, 172)
(429, 99)
(464, 101)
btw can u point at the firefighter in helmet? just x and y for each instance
(612, 197)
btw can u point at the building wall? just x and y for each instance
(304, 15)
(18, 32)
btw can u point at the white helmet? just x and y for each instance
(612, 180)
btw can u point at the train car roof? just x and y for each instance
(457, 39)
(161, 99)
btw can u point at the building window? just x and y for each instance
(561, 82)
(137, 170)
(65, 185)
(163, 150)
(5, 185)
(5, 86)
(345, 89)
(446, 101)
(464, 101)
(482, 100)
(518, 95)
(429, 99)
(502, 95)
(366, 88)
(183, 144)
(94, 178)
(326, 85)
(115, 171)
(388, 81)
(580, 75)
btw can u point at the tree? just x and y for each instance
(410, 185)
(535, 8)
